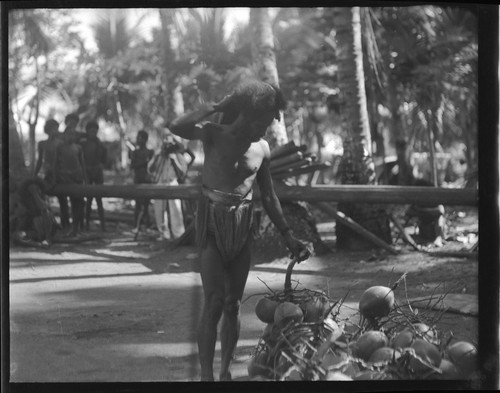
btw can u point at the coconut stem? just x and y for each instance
(288, 277)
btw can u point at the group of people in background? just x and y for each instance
(170, 167)
(75, 157)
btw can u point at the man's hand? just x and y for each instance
(299, 250)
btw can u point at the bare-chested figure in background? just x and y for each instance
(69, 168)
(95, 155)
(139, 160)
(235, 156)
(46, 156)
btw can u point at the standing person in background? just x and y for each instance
(139, 159)
(95, 156)
(69, 168)
(71, 122)
(170, 167)
(46, 156)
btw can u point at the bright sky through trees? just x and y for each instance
(235, 16)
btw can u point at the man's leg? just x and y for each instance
(74, 215)
(64, 211)
(212, 277)
(159, 214)
(99, 179)
(175, 217)
(147, 219)
(235, 280)
(88, 212)
(100, 211)
(137, 210)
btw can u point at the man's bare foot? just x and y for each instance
(225, 376)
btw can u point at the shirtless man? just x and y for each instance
(46, 156)
(95, 155)
(69, 168)
(235, 156)
(139, 159)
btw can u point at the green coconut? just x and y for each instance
(384, 354)
(376, 302)
(286, 312)
(265, 308)
(368, 342)
(463, 355)
(427, 352)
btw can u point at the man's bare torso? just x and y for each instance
(230, 165)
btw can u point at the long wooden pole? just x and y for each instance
(337, 193)
(349, 222)
(406, 236)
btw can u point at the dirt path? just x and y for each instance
(117, 310)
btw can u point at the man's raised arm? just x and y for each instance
(185, 125)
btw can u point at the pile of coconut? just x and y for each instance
(306, 339)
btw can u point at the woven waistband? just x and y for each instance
(226, 198)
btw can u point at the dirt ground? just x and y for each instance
(116, 309)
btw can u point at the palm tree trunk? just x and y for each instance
(17, 166)
(298, 215)
(168, 59)
(33, 120)
(357, 165)
(429, 115)
(399, 131)
(264, 61)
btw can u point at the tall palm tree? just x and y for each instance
(27, 43)
(436, 79)
(357, 165)
(298, 214)
(264, 60)
(115, 33)
(173, 101)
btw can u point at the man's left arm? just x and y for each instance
(273, 208)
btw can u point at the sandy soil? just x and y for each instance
(115, 309)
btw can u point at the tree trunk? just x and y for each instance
(429, 115)
(33, 120)
(264, 61)
(357, 165)
(298, 214)
(397, 128)
(121, 130)
(168, 82)
(17, 166)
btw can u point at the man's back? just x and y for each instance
(68, 165)
(94, 152)
(139, 163)
(49, 148)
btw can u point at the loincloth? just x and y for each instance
(226, 217)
